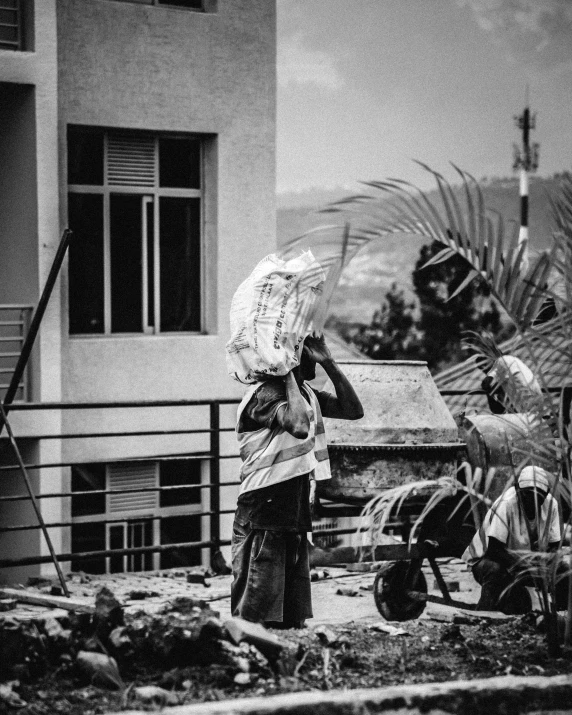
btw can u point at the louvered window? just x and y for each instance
(127, 505)
(130, 161)
(126, 477)
(135, 206)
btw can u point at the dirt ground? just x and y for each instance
(343, 648)
(359, 657)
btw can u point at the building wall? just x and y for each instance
(19, 544)
(181, 71)
(29, 229)
(125, 65)
(18, 196)
(29, 236)
(187, 72)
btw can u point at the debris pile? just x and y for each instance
(107, 649)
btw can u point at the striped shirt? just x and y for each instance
(271, 455)
(506, 522)
(284, 506)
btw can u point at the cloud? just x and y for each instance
(301, 65)
(537, 33)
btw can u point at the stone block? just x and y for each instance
(99, 669)
(267, 643)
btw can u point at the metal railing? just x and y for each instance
(212, 455)
(214, 486)
(14, 324)
(11, 25)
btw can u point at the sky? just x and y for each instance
(365, 87)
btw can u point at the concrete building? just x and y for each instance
(148, 128)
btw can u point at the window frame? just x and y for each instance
(153, 515)
(167, 4)
(17, 45)
(155, 193)
(207, 6)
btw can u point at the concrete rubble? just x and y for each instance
(96, 645)
(174, 617)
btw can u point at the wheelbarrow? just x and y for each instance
(400, 587)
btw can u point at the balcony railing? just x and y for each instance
(135, 550)
(11, 25)
(134, 546)
(14, 324)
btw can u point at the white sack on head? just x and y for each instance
(271, 315)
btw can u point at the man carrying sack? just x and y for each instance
(283, 449)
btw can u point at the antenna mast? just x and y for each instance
(526, 161)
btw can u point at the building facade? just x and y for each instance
(148, 128)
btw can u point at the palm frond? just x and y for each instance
(464, 226)
(484, 347)
(377, 511)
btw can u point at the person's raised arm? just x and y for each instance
(293, 416)
(346, 405)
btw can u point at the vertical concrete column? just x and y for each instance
(47, 358)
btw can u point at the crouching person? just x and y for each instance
(523, 519)
(283, 448)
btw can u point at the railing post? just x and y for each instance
(215, 478)
(26, 315)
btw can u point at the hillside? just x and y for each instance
(371, 273)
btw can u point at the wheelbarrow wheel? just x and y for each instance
(392, 592)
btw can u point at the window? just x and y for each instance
(177, 473)
(135, 206)
(178, 530)
(11, 25)
(189, 4)
(17, 24)
(131, 534)
(88, 478)
(197, 5)
(88, 537)
(118, 506)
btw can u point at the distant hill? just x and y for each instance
(370, 275)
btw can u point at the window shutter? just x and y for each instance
(137, 475)
(130, 160)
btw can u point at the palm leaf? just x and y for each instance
(464, 283)
(466, 230)
(440, 257)
(471, 217)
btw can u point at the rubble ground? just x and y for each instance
(143, 653)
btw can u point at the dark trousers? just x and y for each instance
(498, 592)
(271, 582)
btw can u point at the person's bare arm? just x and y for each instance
(293, 416)
(346, 405)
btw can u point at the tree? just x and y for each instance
(443, 318)
(392, 333)
(432, 329)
